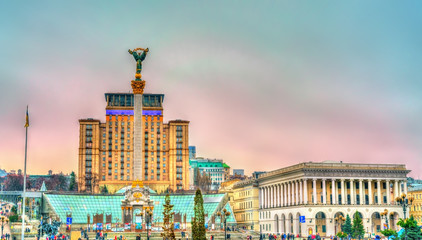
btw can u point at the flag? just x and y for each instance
(27, 118)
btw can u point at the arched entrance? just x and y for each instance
(290, 221)
(298, 224)
(320, 223)
(394, 217)
(276, 223)
(376, 222)
(283, 223)
(339, 220)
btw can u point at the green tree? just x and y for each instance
(198, 222)
(347, 226)
(168, 224)
(411, 228)
(389, 233)
(72, 185)
(357, 229)
(342, 235)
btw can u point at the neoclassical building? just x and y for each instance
(323, 192)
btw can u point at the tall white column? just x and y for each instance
(286, 202)
(278, 195)
(260, 197)
(297, 192)
(352, 191)
(361, 195)
(333, 191)
(300, 192)
(396, 188)
(281, 195)
(305, 190)
(272, 196)
(343, 200)
(405, 187)
(324, 192)
(288, 194)
(371, 199)
(388, 192)
(137, 137)
(314, 190)
(379, 191)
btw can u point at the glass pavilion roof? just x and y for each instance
(80, 205)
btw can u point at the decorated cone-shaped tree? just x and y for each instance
(198, 222)
(357, 229)
(347, 226)
(168, 225)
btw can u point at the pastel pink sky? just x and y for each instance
(264, 86)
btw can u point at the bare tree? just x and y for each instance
(203, 181)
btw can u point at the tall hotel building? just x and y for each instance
(106, 149)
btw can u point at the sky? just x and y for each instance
(264, 84)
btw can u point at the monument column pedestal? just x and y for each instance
(138, 89)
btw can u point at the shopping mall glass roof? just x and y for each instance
(80, 205)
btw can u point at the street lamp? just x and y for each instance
(4, 221)
(223, 217)
(384, 215)
(148, 217)
(339, 221)
(405, 202)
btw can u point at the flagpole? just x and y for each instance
(24, 176)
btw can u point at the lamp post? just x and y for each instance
(4, 221)
(223, 217)
(384, 215)
(405, 202)
(339, 221)
(148, 217)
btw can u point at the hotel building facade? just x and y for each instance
(106, 149)
(309, 198)
(416, 208)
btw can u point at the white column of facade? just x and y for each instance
(265, 197)
(333, 191)
(260, 197)
(300, 192)
(405, 187)
(272, 196)
(388, 192)
(297, 192)
(278, 195)
(288, 194)
(361, 195)
(352, 191)
(285, 194)
(343, 200)
(314, 190)
(277, 204)
(282, 194)
(292, 193)
(324, 193)
(371, 199)
(396, 188)
(305, 191)
(275, 196)
(379, 191)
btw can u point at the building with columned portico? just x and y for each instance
(321, 192)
